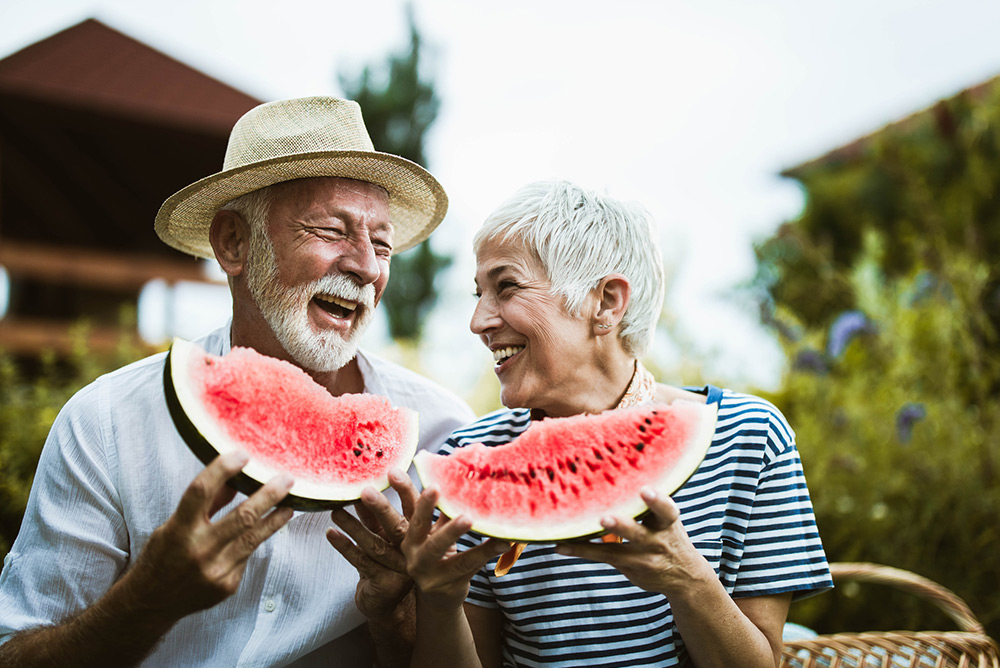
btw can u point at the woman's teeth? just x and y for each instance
(500, 355)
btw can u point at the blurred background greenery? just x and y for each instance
(884, 293)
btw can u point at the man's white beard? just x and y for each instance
(285, 309)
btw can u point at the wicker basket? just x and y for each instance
(968, 648)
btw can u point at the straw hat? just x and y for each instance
(301, 138)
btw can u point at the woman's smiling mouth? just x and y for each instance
(501, 355)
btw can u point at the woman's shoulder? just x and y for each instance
(667, 393)
(496, 428)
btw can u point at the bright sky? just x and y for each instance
(691, 107)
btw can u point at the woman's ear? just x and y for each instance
(613, 295)
(230, 238)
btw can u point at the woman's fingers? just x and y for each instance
(665, 510)
(423, 514)
(406, 490)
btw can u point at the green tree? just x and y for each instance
(399, 107)
(886, 296)
(31, 394)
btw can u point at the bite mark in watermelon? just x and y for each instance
(562, 475)
(333, 446)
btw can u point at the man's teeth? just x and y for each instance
(343, 303)
(500, 354)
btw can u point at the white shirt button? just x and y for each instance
(270, 605)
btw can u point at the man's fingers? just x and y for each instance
(246, 517)
(371, 544)
(199, 498)
(392, 523)
(225, 495)
(347, 548)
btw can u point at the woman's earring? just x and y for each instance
(603, 326)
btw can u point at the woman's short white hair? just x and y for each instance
(580, 236)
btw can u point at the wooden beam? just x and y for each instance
(60, 265)
(30, 337)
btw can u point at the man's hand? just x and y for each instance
(189, 564)
(192, 563)
(375, 551)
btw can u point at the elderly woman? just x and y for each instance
(570, 286)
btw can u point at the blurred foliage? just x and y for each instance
(32, 391)
(886, 297)
(399, 107)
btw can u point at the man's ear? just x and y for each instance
(613, 295)
(230, 238)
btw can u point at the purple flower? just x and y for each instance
(845, 327)
(906, 417)
(809, 360)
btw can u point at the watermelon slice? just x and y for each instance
(333, 446)
(562, 475)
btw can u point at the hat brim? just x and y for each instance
(417, 202)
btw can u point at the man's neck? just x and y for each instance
(345, 380)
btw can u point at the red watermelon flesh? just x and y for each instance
(286, 422)
(562, 475)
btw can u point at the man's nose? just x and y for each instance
(360, 261)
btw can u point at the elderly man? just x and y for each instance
(130, 552)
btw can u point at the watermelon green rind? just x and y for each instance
(206, 440)
(560, 528)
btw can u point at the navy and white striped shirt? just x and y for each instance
(746, 509)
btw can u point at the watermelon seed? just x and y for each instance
(572, 467)
(378, 453)
(471, 474)
(610, 448)
(640, 446)
(357, 452)
(597, 453)
(642, 427)
(551, 473)
(648, 421)
(531, 471)
(608, 477)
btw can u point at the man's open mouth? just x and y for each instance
(335, 306)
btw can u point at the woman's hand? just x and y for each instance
(657, 554)
(442, 574)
